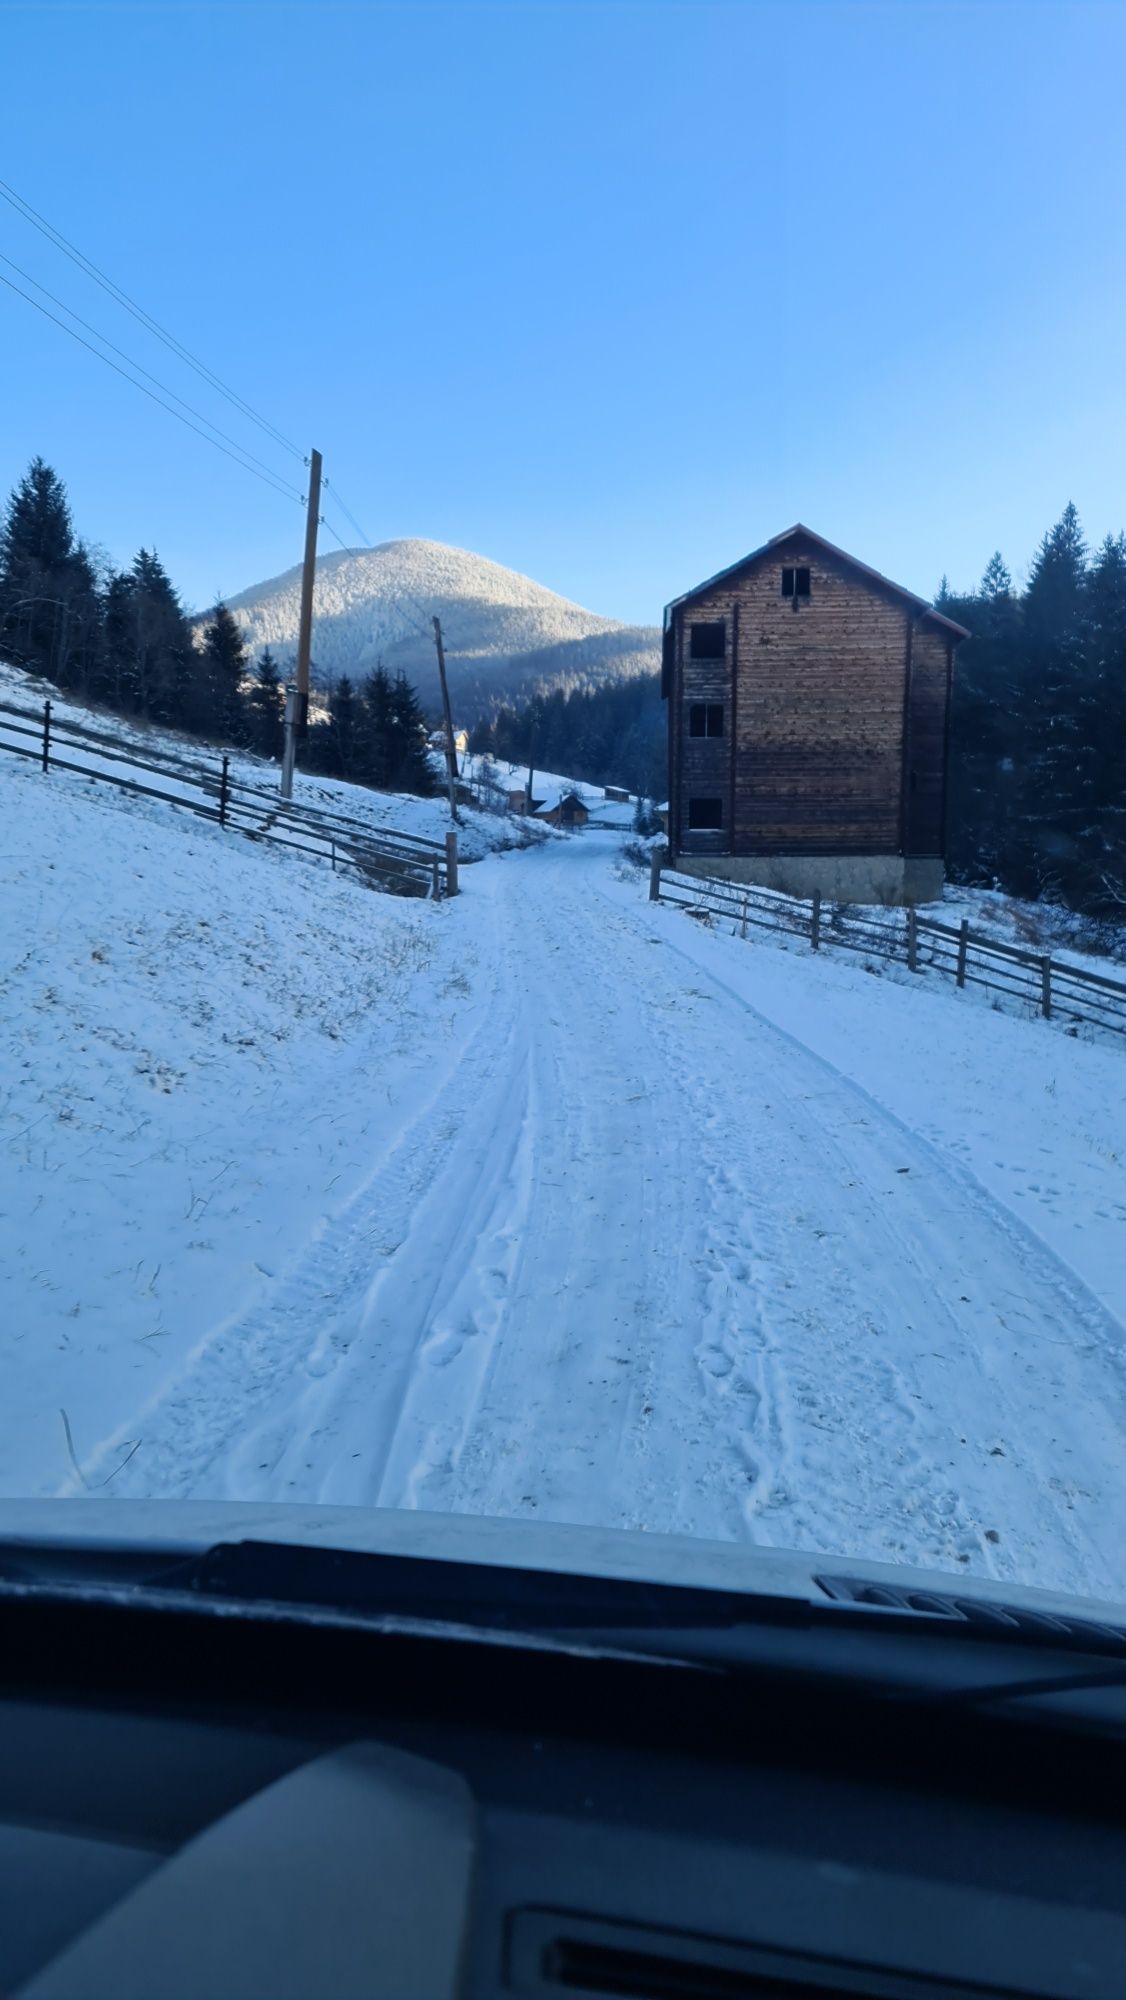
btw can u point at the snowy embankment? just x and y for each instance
(543, 1201)
(479, 833)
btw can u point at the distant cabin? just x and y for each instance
(808, 706)
(520, 801)
(616, 793)
(565, 809)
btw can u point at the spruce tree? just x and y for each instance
(167, 676)
(49, 608)
(119, 621)
(224, 663)
(342, 709)
(266, 706)
(410, 755)
(374, 747)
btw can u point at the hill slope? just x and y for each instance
(505, 635)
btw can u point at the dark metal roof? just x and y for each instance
(925, 610)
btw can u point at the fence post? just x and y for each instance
(963, 941)
(1046, 988)
(224, 791)
(655, 877)
(451, 864)
(912, 940)
(436, 882)
(46, 733)
(746, 907)
(815, 921)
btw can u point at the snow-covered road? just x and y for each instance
(628, 1249)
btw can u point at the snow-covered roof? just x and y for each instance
(556, 799)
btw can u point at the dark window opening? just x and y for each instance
(795, 583)
(705, 718)
(708, 641)
(704, 815)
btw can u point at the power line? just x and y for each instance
(268, 479)
(87, 265)
(114, 349)
(347, 512)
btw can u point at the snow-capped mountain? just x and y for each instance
(504, 635)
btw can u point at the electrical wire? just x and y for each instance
(347, 512)
(149, 377)
(287, 493)
(146, 319)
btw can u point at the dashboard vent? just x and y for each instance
(972, 1611)
(551, 1954)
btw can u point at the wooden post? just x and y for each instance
(451, 864)
(308, 576)
(963, 942)
(224, 790)
(655, 876)
(46, 734)
(912, 940)
(746, 907)
(451, 754)
(1046, 988)
(815, 920)
(436, 882)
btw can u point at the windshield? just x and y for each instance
(562, 745)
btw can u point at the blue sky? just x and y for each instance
(608, 291)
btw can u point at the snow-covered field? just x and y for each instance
(427, 819)
(545, 1201)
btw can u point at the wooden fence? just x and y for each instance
(1033, 981)
(398, 863)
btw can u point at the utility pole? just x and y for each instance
(290, 751)
(305, 625)
(451, 754)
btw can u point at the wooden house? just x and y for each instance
(808, 702)
(564, 809)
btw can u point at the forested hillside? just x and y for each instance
(610, 735)
(1037, 784)
(122, 638)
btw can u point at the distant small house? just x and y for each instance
(519, 801)
(616, 793)
(564, 809)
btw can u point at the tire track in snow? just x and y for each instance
(900, 1496)
(234, 1420)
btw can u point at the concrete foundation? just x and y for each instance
(841, 878)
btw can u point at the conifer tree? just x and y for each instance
(410, 756)
(342, 709)
(266, 706)
(224, 663)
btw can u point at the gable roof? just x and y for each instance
(557, 799)
(924, 609)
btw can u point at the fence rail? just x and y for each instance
(399, 863)
(1035, 981)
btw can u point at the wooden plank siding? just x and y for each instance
(835, 713)
(924, 756)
